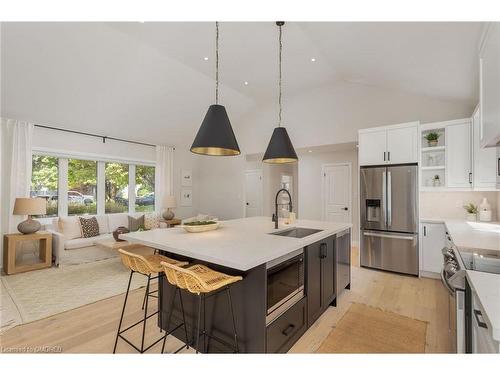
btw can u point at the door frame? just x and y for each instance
(323, 193)
(261, 193)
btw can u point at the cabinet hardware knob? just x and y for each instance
(288, 329)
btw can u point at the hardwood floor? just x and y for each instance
(92, 328)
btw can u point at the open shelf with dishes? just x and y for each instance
(433, 156)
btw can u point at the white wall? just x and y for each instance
(310, 182)
(449, 205)
(333, 114)
(185, 160)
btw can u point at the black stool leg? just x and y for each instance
(145, 316)
(184, 319)
(234, 321)
(146, 294)
(199, 322)
(169, 312)
(123, 311)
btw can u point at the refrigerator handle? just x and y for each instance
(389, 199)
(384, 195)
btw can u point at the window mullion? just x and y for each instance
(101, 187)
(131, 188)
(62, 188)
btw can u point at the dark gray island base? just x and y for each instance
(327, 274)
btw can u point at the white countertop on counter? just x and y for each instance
(240, 244)
(487, 287)
(474, 235)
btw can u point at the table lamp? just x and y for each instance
(29, 206)
(168, 203)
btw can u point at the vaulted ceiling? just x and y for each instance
(150, 81)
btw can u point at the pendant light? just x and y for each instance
(280, 149)
(215, 136)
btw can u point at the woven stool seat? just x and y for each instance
(146, 264)
(197, 278)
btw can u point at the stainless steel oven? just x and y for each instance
(285, 283)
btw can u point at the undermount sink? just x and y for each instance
(297, 232)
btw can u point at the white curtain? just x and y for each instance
(164, 175)
(15, 166)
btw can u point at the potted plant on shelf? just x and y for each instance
(471, 209)
(432, 139)
(436, 181)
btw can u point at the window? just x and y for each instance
(116, 188)
(82, 187)
(144, 188)
(44, 181)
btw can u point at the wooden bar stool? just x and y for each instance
(204, 282)
(144, 265)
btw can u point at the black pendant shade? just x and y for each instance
(215, 136)
(280, 149)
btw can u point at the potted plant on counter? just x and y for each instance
(471, 209)
(432, 139)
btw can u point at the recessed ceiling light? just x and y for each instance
(205, 58)
(310, 151)
(313, 59)
(246, 83)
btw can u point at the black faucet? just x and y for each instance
(275, 215)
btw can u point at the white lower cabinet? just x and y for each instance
(433, 241)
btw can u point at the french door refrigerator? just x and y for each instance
(389, 218)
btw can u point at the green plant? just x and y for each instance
(471, 208)
(436, 177)
(432, 136)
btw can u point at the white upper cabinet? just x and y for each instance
(395, 144)
(402, 145)
(489, 133)
(458, 155)
(484, 159)
(372, 147)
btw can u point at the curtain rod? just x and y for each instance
(103, 137)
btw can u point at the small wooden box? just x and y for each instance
(10, 243)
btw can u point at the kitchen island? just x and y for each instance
(250, 247)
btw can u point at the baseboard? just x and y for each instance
(430, 275)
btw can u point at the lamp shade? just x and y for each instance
(215, 136)
(30, 206)
(280, 149)
(169, 201)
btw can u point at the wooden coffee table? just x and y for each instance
(125, 245)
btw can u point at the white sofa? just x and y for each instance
(83, 250)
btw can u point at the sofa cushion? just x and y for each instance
(151, 221)
(103, 223)
(79, 243)
(135, 222)
(90, 226)
(70, 227)
(117, 220)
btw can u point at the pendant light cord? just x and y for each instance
(216, 62)
(279, 95)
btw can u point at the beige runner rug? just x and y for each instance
(366, 329)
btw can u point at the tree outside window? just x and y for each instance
(82, 187)
(116, 188)
(44, 181)
(145, 188)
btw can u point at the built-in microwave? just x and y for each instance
(285, 283)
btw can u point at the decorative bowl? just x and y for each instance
(197, 227)
(118, 231)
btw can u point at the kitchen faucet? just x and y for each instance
(276, 204)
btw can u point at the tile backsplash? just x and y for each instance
(449, 205)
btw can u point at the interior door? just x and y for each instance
(253, 193)
(372, 147)
(402, 207)
(337, 193)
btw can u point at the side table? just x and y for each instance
(12, 241)
(172, 223)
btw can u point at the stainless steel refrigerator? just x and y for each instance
(389, 218)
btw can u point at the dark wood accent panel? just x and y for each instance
(286, 330)
(313, 282)
(327, 271)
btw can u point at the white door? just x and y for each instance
(433, 241)
(458, 155)
(402, 145)
(372, 147)
(337, 192)
(484, 158)
(253, 193)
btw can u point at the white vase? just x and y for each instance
(471, 217)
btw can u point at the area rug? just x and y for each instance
(366, 329)
(39, 294)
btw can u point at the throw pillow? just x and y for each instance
(90, 227)
(135, 222)
(151, 221)
(70, 227)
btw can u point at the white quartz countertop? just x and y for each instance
(474, 235)
(487, 287)
(240, 244)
